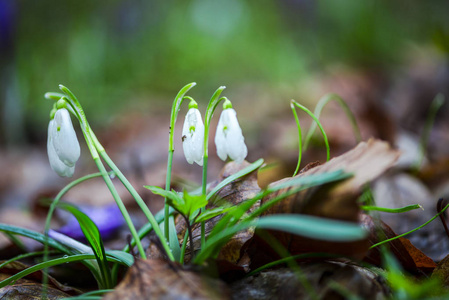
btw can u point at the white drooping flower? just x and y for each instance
(62, 144)
(193, 137)
(229, 139)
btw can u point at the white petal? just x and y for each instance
(193, 137)
(220, 138)
(229, 139)
(234, 140)
(64, 139)
(56, 164)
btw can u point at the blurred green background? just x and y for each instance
(113, 54)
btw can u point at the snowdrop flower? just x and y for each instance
(193, 135)
(62, 144)
(228, 138)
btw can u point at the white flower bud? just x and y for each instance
(229, 139)
(62, 144)
(193, 137)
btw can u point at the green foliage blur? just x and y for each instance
(116, 53)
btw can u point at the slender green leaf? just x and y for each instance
(93, 236)
(122, 256)
(392, 210)
(300, 183)
(174, 243)
(22, 256)
(211, 213)
(319, 107)
(313, 227)
(304, 225)
(35, 236)
(254, 166)
(47, 264)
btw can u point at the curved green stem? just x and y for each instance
(413, 230)
(319, 107)
(140, 202)
(293, 102)
(299, 139)
(93, 146)
(214, 101)
(171, 148)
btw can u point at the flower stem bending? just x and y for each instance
(171, 148)
(294, 103)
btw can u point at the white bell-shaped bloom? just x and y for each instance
(229, 139)
(65, 140)
(193, 137)
(62, 144)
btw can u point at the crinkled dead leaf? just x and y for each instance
(336, 200)
(160, 279)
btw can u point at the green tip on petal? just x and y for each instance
(227, 104)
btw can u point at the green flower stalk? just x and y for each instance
(171, 148)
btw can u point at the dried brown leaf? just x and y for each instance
(159, 279)
(337, 200)
(411, 258)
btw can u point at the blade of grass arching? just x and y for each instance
(413, 230)
(92, 234)
(319, 107)
(39, 237)
(299, 139)
(308, 226)
(303, 182)
(392, 210)
(300, 183)
(437, 102)
(22, 256)
(212, 213)
(120, 256)
(305, 109)
(47, 264)
(313, 227)
(254, 166)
